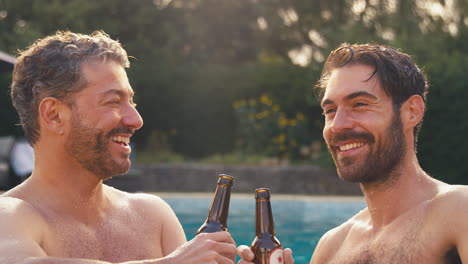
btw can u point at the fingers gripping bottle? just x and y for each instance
(266, 246)
(218, 214)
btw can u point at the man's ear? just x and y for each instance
(52, 114)
(412, 110)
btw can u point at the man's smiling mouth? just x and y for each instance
(350, 146)
(121, 140)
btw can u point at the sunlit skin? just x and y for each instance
(103, 112)
(64, 213)
(363, 137)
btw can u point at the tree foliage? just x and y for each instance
(194, 58)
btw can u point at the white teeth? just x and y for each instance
(351, 146)
(120, 139)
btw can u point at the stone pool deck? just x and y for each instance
(196, 178)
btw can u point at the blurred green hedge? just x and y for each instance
(193, 59)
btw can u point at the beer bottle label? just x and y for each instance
(276, 256)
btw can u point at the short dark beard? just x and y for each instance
(89, 146)
(380, 164)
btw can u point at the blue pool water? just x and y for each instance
(299, 224)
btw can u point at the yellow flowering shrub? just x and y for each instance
(265, 129)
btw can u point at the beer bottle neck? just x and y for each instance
(220, 205)
(264, 217)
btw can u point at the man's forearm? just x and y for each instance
(52, 260)
(48, 260)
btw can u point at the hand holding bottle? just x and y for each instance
(247, 255)
(205, 248)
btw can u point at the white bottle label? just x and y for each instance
(276, 256)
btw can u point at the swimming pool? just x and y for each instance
(299, 222)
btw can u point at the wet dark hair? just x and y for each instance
(398, 74)
(50, 67)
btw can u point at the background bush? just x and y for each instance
(195, 58)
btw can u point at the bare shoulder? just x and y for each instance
(337, 234)
(332, 240)
(141, 203)
(450, 198)
(157, 215)
(20, 221)
(447, 211)
(456, 192)
(18, 209)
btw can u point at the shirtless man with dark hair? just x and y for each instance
(76, 107)
(373, 99)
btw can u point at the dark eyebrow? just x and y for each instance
(360, 94)
(326, 102)
(116, 91)
(350, 97)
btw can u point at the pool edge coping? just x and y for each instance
(291, 197)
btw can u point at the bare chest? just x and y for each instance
(388, 255)
(115, 240)
(410, 245)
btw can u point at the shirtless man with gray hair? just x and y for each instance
(76, 107)
(373, 99)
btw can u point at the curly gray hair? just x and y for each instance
(50, 67)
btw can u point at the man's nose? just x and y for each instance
(342, 121)
(132, 118)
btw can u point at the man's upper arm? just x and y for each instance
(456, 213)
(320, 251)
(329, 244)
(20, 229)
(173, 234)
(169, 230)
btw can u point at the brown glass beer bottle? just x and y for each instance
(266, 246)
(219, 210)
